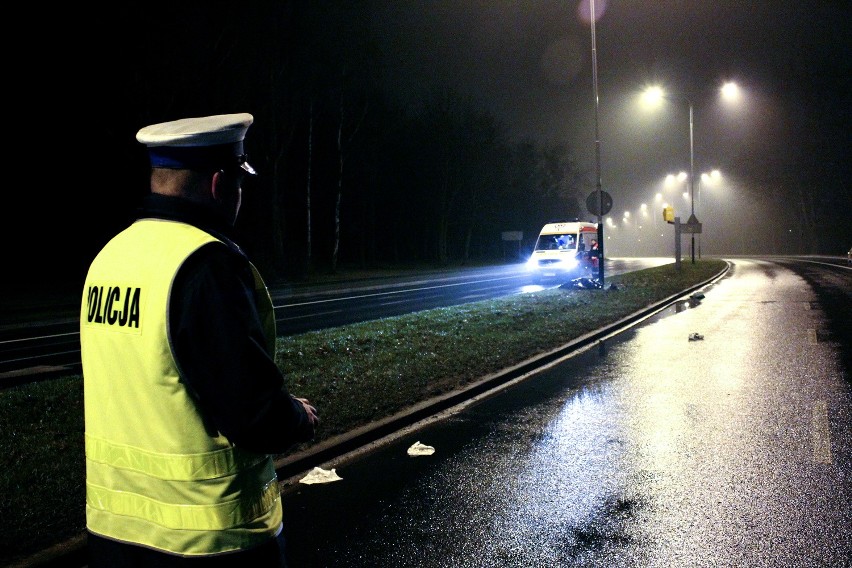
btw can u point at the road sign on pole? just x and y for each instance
(691, 226)
(599, 203)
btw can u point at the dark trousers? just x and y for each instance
(107, 553)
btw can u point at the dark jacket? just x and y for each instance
(218, 339)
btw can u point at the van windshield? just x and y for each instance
(556, 242)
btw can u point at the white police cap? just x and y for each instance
(199, 143)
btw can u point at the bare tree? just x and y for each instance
(308, 229)
(347, 129)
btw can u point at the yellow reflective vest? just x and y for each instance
(155, 474)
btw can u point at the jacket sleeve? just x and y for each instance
(218, 342)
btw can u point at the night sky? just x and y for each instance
(532, 62)
(529, 63)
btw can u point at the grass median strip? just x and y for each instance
(355, 374)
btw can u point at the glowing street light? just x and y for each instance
(730, 91)
(653, 97)
(672, 179)
(707, 178)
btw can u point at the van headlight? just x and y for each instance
(567, 263)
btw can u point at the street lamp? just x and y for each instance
(730, 91)
(601, 247)
(672, 180)
(705, 178)
(653, 96)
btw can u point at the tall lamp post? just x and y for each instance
(692, 218)
(653, 95)
(601, 251)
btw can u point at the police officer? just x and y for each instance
(184, 404)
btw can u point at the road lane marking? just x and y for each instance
(392, 303)
(311, 315)
(821, 433)
(812, 337)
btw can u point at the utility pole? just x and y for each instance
(597, 147)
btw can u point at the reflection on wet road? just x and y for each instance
(651, 450)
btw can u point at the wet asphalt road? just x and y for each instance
(649, 450)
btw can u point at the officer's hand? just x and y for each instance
(313, 417)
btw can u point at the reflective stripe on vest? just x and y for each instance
(217, 517)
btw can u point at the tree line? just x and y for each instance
(351, 173)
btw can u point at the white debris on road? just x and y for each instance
(320, 475)
(418, 449)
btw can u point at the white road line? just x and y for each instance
(821, 433)
(312, 315)
(812, 336)
(392, 303)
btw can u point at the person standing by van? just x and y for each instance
(594, 253)
(184, 404)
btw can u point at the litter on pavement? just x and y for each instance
(320, 475)
(418, 449)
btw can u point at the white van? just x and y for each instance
(565, 250)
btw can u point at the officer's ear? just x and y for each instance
(225, 186)
(227, 192)
(217, 188)
(226, 183)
